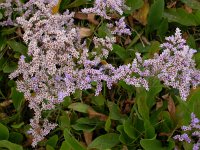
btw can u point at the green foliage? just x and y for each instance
(105, 141)
(4, 132)
(9, 145)
(155, 14)
(124, 117)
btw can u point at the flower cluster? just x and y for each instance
(60, 61)
(101, 7)
(175, 66)
(194, 136)
(9, 11)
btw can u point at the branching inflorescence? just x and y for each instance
(191, 133)
(61, 61)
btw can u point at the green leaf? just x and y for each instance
(105, 141)
(143, 109)
(67, 101)
(133, 5)
(141, 97)
(80, 107)
(86, 124)
(191, 42)
(2, 62)
(193, 101)
(98, 100)
(83, 127)
(64, 122)
(10, 67)
(181, 16)
(48, 147)
(65, 146)
(4, 132)
(127, 87)
(194, 4)
(115, 113)
(52, 141)
(108, 124)
(155, 14)
(163, 28)
(129, 129)
(17, 98)
(16, 137)
(7, 31)
(9, 145)
(17, 126)
(72, 141)
(76, 3)
(152, 144)
(120, 51)
(103, 31)
(18, 47)
(154, 89)
(124, 138)
(63, 4)
(1, 15)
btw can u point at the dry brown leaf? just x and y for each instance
(141, 14)
(88, 137)
(55, 9)
(188, 9)
(93, 114)
(81, 16)
(91, 18)
(5, 103)
(159, 104)
(130, 20)
(145, 40)
(164, 134)
(171, 106)
(127, 41)
(171, 4)
(19, 32)
(85, 32)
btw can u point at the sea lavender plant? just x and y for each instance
(61, 62)
(191, 133)
(9, 8)
(175, 66)
(101, 7)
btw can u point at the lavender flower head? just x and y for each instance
(63, 63)
(175, 66)
(102, 6)
(191, 133)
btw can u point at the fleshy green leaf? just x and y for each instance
(17, 98)
(18, 47)
(9, 145)
(80, 107)
(52, 141)
(72, 141)
(181, 16)
(105, 141)
(76, 3)
(152, 144)
(10, 67)
(65, 146)
(4, 132)
(155, 14)
(121, 52)
(16, 137)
